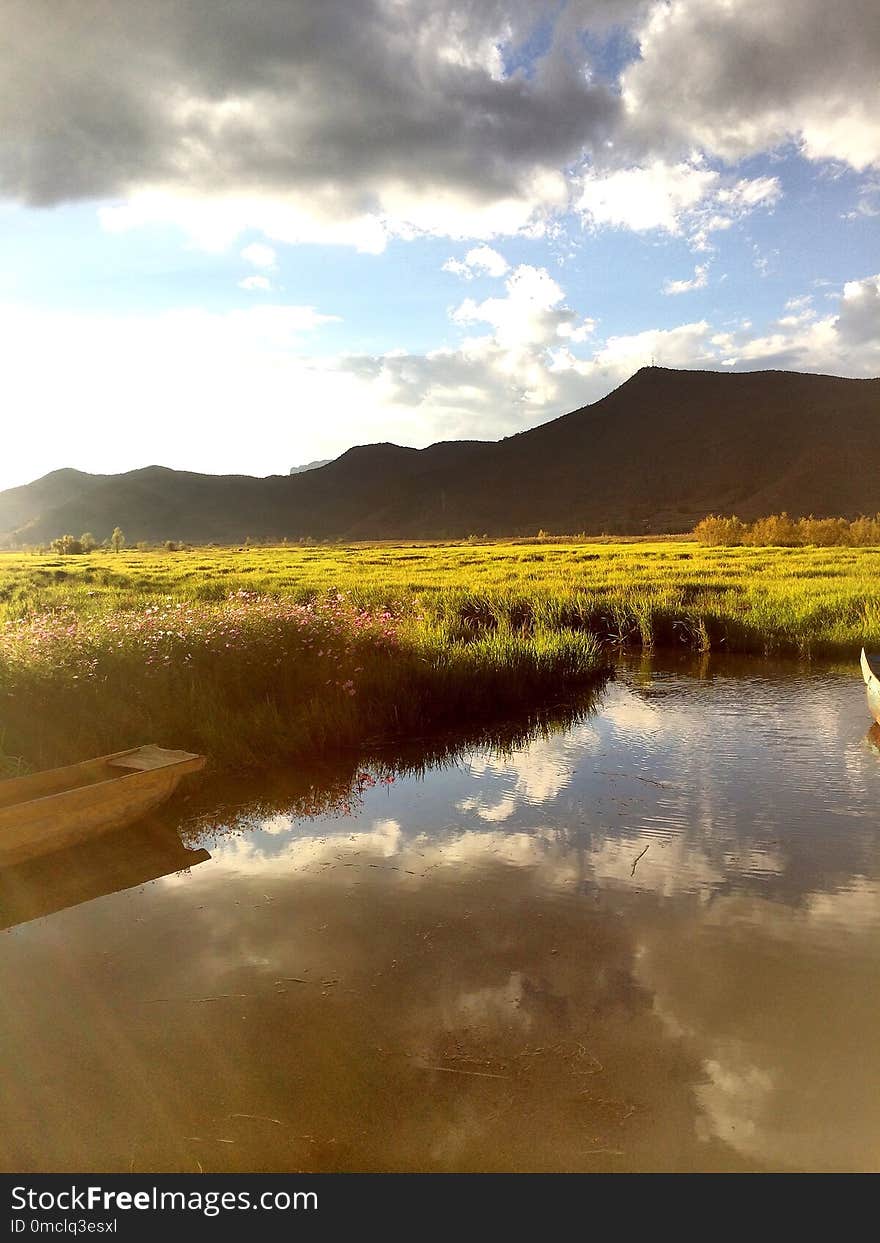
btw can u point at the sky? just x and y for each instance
(236, 237)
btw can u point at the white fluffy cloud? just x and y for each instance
(686, 197)
(479, 261)
(687, 345)
(494, 381)
(527, 315)
(699, 280)
(260, 255)
(845, 343)
(538, 360)
(653, 196)
(859, 319)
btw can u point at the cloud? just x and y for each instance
(747, 194)
(699, 280)
(653, 196)
(527, 777)
(539, 359)
(859, 320)
(738, 77)
(526, 315)
(687, 345)
(847, 343)
(260, 255)
(481, 260)
(493, 381)
(255, 282)
(759, 1091)
(431, 119)
(214, 222)
(867, 201)
(246, 855)
(521, 358)
(687, 197)
(402, 119)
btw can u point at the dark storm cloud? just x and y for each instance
(101, 97)
(737, 77)
(359, 107)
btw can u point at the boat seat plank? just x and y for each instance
(149, 757)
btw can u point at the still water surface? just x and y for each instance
(648, 941)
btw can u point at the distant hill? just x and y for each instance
(657, 454)
(22, 507)
(300, 470)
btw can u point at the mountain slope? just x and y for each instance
(669, 446)
(19, 507)
(656, 454)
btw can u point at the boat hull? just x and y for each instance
(872, 686)
(47, 819)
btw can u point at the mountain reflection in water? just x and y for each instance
(646, 940)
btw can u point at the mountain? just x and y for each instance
(657, 454)
(21, 507)
(299, 470)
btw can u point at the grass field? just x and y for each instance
(802, 600)
(263, 653)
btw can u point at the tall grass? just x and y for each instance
(803, 600)
(255, 679)
(101, 651)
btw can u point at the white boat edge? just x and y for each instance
(867, 672)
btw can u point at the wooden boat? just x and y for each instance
(47, 811)
(872, 682)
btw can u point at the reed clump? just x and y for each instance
(254, 679)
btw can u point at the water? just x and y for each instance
(650, 941)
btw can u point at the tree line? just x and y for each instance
(69, 545)
(781, 531)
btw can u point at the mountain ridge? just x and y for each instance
(656, 454)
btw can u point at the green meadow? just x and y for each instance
(258, 654)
